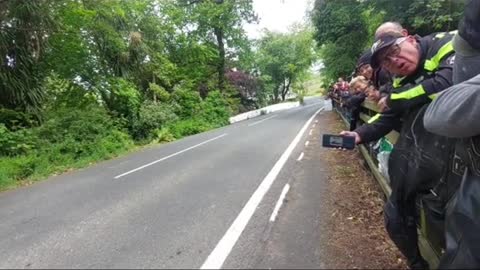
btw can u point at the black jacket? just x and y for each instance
(410, 93)
(382, 81)
(469, 26)
(355, 101)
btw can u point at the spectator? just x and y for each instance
(363, 67)
(342, 85)
(382, 79)
(455, 113)
(390, 27)
(358, 86)
(361, 84)
(418, 158)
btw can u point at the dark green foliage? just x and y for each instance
(422, 17)
(284, 59)
(16, 142)
(215, 109)
(343, 33)
(81, 81)
(78, 125)
(334, 19)
(69, 137)
(344, 29)
(121, 97)
(153, 116)
(188, 127)
(14, 120)
(24, 28)
(188, 103)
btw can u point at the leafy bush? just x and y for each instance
(189, 127)
(152, 116)
(15, 169)
(82, 133)
(121, 97)
(77, 124)
(68, 138)
(188, 103)
(16, 142)
(215, 109)
(64, 93)
(164, 135)
(14, 120)
(159, 92)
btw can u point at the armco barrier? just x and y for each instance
(369, 109)
(266, 110)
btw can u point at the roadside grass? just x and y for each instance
(26, 169)
(55, 159)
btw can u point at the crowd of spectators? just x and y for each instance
(426, 88)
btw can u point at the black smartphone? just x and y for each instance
(338, 141)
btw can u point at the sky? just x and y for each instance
(277, 15)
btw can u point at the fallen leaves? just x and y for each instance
(356, 226)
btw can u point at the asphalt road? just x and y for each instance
(204, 201)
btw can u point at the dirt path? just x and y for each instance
(354, 215)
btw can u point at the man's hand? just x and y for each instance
(382, 103)
(358, 140)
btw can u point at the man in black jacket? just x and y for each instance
(455, 113)
(423, 67)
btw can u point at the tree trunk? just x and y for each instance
(154, 94)
(221, 62)
(286, 89)
(276, 93)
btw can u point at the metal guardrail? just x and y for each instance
(369, 109)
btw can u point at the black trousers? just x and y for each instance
(400, 210)
(417, 164)
(462, 228)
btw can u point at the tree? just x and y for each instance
(285, 57)
(220, 21)
(344, 29)
(24, 30)
(247, 87)
(342, 33)
(422, 17)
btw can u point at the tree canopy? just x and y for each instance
(82, 80)
(344, 29)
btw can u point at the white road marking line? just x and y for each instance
(307, 143)
(310, 133)
(258, 122)
(279, 203)
(169, 156)
(300, 157)
(221, 251)
(316, 121)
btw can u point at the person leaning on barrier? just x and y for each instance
(418, 158)
(358, 86)
(455, 113)
(363, 67)
(365, 70)
(382, 79)
(390, 27)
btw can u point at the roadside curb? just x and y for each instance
(263, 111)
